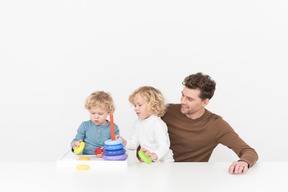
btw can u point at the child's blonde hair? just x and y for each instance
(153, 97)
(100, 99)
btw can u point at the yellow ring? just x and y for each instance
(83, 167)
(79, 149)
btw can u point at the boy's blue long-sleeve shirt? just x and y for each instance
(93, 135)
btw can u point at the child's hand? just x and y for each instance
(100, 155)
(76, 144)
(119, 137)
(153, 156)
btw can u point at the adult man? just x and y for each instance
(194, 131)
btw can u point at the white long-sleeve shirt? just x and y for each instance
(152, 134)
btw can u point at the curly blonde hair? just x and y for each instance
(153, 97)
(100, 99)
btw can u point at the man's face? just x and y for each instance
(191, 103)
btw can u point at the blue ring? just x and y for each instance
(113, 147)
(115, 158)
(114, 153)
(113, 142)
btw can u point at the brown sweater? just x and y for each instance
(193, 140)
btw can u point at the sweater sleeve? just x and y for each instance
(80, 134)
(132, 142)
(116, 130)
(228, 137)
(162, 140)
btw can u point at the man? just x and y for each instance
(194, 131)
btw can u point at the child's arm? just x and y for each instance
(76, 144)
(131, 143)
(117, 136)
(79, 137)
(124, 140)
(162, 140)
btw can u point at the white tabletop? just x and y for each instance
(143, 177)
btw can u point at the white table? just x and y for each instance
(143, 177)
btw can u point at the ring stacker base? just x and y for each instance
(69, 159)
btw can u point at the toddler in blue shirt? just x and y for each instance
(95, 131)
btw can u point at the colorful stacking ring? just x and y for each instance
(79, 149)
(113, 153)
(114, 147)
(115, 158)
(113, 142)
(146, 159)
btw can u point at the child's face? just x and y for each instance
(141, 107)
(98, 115)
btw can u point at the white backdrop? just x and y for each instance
(53, 54)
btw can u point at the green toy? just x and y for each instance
(146, 159)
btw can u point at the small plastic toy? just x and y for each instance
(146, 159)
(112, 127)
(79, 149)
(113, 142)
(115, 158)
(113, 148)
(98, 151)
(83, 167)
(83, 158)
(115, 152)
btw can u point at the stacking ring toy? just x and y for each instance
(113, 142)
(113, 147)
(79, 149)
(83, 158)
(146, 159)
(115, 158)
(113, 153)
(82, 167)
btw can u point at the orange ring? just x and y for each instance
(83, 158)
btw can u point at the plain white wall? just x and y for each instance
(53, 54)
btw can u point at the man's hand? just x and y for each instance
(238, 167)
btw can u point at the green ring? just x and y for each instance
(146, 159)
(79, 149)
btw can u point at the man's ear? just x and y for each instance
(205, 102)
